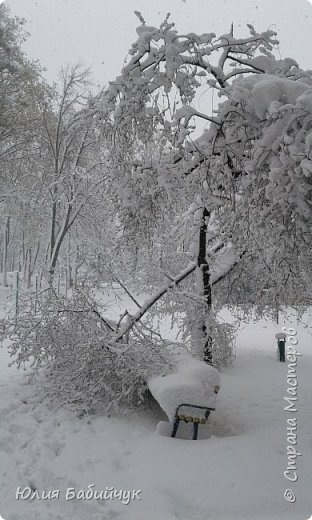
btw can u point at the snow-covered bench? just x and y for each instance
(200, 418)
(188, 393)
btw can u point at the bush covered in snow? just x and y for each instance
(84, 367)
(223, 344)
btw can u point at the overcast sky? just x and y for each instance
(99, 33)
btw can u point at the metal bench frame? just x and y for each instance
(190, 418)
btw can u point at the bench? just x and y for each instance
(201, 418)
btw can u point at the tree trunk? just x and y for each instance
(28, 269)
(5, 251)
(202, 341)
(69, 270)
(54, 253)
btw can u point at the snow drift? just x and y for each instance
(193, 382)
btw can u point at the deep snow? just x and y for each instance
(191, 382)
(234, 471)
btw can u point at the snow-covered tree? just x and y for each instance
(20, 83)
(225, 176)
(69, 159)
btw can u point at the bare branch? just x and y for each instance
(127, 291)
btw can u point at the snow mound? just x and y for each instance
(268, 90)
(193, 382)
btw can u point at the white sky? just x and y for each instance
(98, 33)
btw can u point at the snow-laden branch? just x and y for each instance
(151, 301)
(227, 261)
(163, 60)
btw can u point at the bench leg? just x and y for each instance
(175, 427)
(195, 431)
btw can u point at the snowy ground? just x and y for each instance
(235, 471)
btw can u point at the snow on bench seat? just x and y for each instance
(192, 381)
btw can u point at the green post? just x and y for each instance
(281, 342)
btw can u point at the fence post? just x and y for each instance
(16, 289)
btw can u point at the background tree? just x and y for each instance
(70, 157)
(20, 84)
